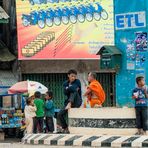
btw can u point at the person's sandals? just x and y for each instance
(65, 131)
(140, 133)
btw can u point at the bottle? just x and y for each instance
(0, 122)
(7, 120)
(4, 120)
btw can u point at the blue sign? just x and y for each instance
(130, 20)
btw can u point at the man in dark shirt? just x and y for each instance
(72, 91)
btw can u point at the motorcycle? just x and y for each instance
(74, 14)
(31, 19)
(88, 13)
(57, 16)
(33, 2)
(41, 18)
(49, 17)
(66, 15)
(100, 11)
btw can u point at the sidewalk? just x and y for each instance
(86, 140)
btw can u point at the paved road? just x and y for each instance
(18, 145)
(15, 143)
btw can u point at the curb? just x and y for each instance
(86, 140)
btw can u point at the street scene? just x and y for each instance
(73, 73)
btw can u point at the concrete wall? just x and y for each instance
(59, 66)
(110, 121)
(125, 41)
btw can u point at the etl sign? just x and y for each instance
(130, 20)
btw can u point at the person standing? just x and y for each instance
(39, 119)
(95, 93)
(140, 95)
(72, 91)
(49, 112)
(30, 115)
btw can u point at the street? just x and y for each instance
(15, 143)
(19, 145)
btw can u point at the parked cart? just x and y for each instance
(11, 115)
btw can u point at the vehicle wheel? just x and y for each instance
(104, 15)
(41, 24)
(57, 21)
(19, 133)
(65, 20)
(25, 22)
(81, 18)
(97, 16)
(10, 132)
(31, 2)
(49, 22)
(89, 17)
(73, 19)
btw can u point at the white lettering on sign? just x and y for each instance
(130, 20)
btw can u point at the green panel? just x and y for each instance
(4, 21)
(55, 81)
(107, 81)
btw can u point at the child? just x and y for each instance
(95, 93)
(30, 114)
(39, 120)
(49, 112)
(140, 94)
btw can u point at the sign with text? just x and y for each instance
(130, 20)
(63, 29)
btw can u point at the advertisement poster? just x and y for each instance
(63, 29)
(7, 101)
(130, 54)
(141, 41)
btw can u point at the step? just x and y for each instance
(2, 136)
(105, 120)
(86, 140)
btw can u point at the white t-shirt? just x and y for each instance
(30, 111)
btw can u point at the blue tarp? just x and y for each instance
(4, 91)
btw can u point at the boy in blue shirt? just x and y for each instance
(49, 111)
(140, 94)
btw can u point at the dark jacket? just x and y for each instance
(49, 108)
(73, 88)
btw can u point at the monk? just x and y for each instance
(95, 93)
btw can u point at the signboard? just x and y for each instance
(7, 101)
(130, 20)
(63, 29)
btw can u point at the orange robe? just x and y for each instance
(97, 95)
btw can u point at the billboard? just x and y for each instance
(63, 29)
